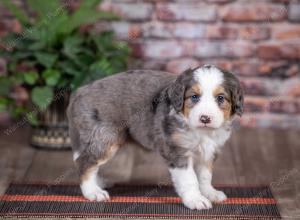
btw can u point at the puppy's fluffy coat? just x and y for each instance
(186, 118)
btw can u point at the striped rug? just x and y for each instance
(42, 200)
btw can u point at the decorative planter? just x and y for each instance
(52, 131)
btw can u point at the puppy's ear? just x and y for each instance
(175, 94)
(234, 88)
(238, 100)
(176, 90)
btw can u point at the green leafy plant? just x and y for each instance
(53, 53)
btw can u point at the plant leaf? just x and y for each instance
(18, 13)
(51, 77)
(32, 118)
(31, 77)
(5, 85)
(18, 111)
(3, 104)
(46, 8)
(89, 4)
(72, 46)
(42, 96)
(46, 59)
(88, 16)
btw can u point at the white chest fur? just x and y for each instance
(204, 143)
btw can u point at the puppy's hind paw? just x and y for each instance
(197, 202)
(96, 194)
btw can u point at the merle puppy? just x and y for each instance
(186, 118)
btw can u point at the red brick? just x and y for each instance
(224, 64)
(125, 30)
(254, 86)
(275, 68)
(221, 32)
(129, 11)
(254, 32)
(189, 30)
(158, 29)
(137, 49)
(224, 49)
(255, 104)
(291, 87)
(281, 1)
(219, 1)
(254, 12)
(3, 28)
(177, 30)
(269, 51)
(179, 65)
(286, 32)
(245, 67)
(258, 86)
(162, 49)
(266, 120)
(290, 51)
(292, 70)
(219, 62)
(16, 26)
(284, 105)
(294, 12)
(281, 69)
(183, 11)
(153, 65)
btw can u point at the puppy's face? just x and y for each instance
(211, 96)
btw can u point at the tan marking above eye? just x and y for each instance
(226, 106)
(220, 91)
(193, 90)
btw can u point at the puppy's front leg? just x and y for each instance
(187, 186)
(204, 174)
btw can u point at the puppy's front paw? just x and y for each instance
(197, 202)
(95, 194)
(214, 195)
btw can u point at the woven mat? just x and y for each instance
(42, 200)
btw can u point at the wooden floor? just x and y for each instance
(250, 157)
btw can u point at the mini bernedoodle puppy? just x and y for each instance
(186, 118)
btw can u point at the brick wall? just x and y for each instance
(256, 39)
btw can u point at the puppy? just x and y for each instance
(186, 118)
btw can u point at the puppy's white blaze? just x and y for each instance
(209, 79)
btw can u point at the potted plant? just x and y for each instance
(49, 58)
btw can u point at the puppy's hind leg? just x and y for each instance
(97, 153)
(89, 181)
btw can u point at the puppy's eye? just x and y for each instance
(220, 99)
(195, 98)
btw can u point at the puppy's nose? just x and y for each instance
(205, 119)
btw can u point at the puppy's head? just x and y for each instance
(207, 96)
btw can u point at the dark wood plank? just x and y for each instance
(286, 188)
(52, 166)
(15, 157)
(224, 169)
(251, 156)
